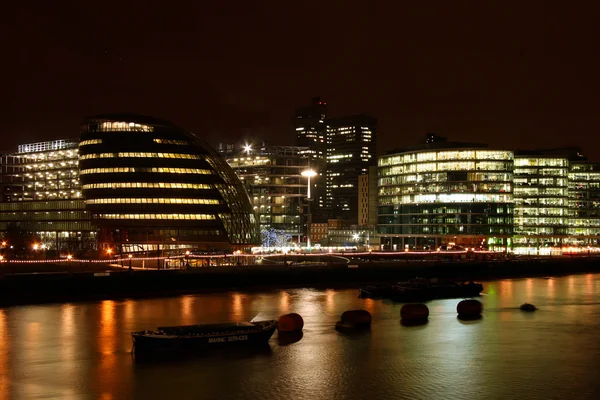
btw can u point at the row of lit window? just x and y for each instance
(90, 141)
(151, 201)
(446, 155)
(158, 170)
(171, 141)
(145, 185)
(456, 166)
(122, 126)
(62, 205)
(440, 188)
(446, 198)
(521, 191)
(158, 216)
(540, 162)
(141, 155)
(44, 146)
(63, 165)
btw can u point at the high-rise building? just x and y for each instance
(272, 177)
(41, 195)
(367, 198)
(351, 149)
(310, 124)
(311, 128)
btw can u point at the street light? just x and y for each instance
(130, 256)
(309, 173)
(247, 148)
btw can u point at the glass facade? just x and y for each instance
(272, 177)
(152, 186)
(433, 197)
(541, 203)
(41, 195)
(584, 204)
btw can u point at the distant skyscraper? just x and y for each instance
(310, 126)
(351, 145)
(311, 130)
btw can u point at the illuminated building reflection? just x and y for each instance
(107, 374)
(284, 303)
(505, 288)
(187, 316)
(570, 284)
(330, 300)
(5, 387)
(529, 287)
(551, 288)
(238, 307)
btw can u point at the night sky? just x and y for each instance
(516, 74)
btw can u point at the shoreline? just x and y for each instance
(59, 287)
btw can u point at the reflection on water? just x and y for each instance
(5, 343)
(82, 350)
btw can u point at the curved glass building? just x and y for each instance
(445, 194)
(151, 185)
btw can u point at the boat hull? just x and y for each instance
(440, 292)
(155, 343)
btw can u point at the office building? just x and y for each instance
(584, 204)
(272, 177)
(351, 147)
(311, 132)
(41, 196)
(445, 193)
(541, 211)
(367, 198)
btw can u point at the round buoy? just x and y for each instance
(528, 307)
(469, 308)
(417, 312)
(290, 323)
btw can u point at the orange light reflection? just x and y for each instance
(5, 387)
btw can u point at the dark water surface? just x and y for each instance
(82, 350)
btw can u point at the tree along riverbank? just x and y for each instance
(30, 288)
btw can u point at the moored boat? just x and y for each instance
(423, 290)
(197, 337)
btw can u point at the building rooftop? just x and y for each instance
(438, 146)
(572, 153)
(130, 117)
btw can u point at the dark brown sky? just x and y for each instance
(510, 73)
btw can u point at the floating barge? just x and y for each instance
(198, 337)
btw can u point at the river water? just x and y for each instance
(82, 350)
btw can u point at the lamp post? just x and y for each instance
(130, 266)
(309, 173)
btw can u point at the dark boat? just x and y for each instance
(424, 289)
(198, 337)
(375, 292)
